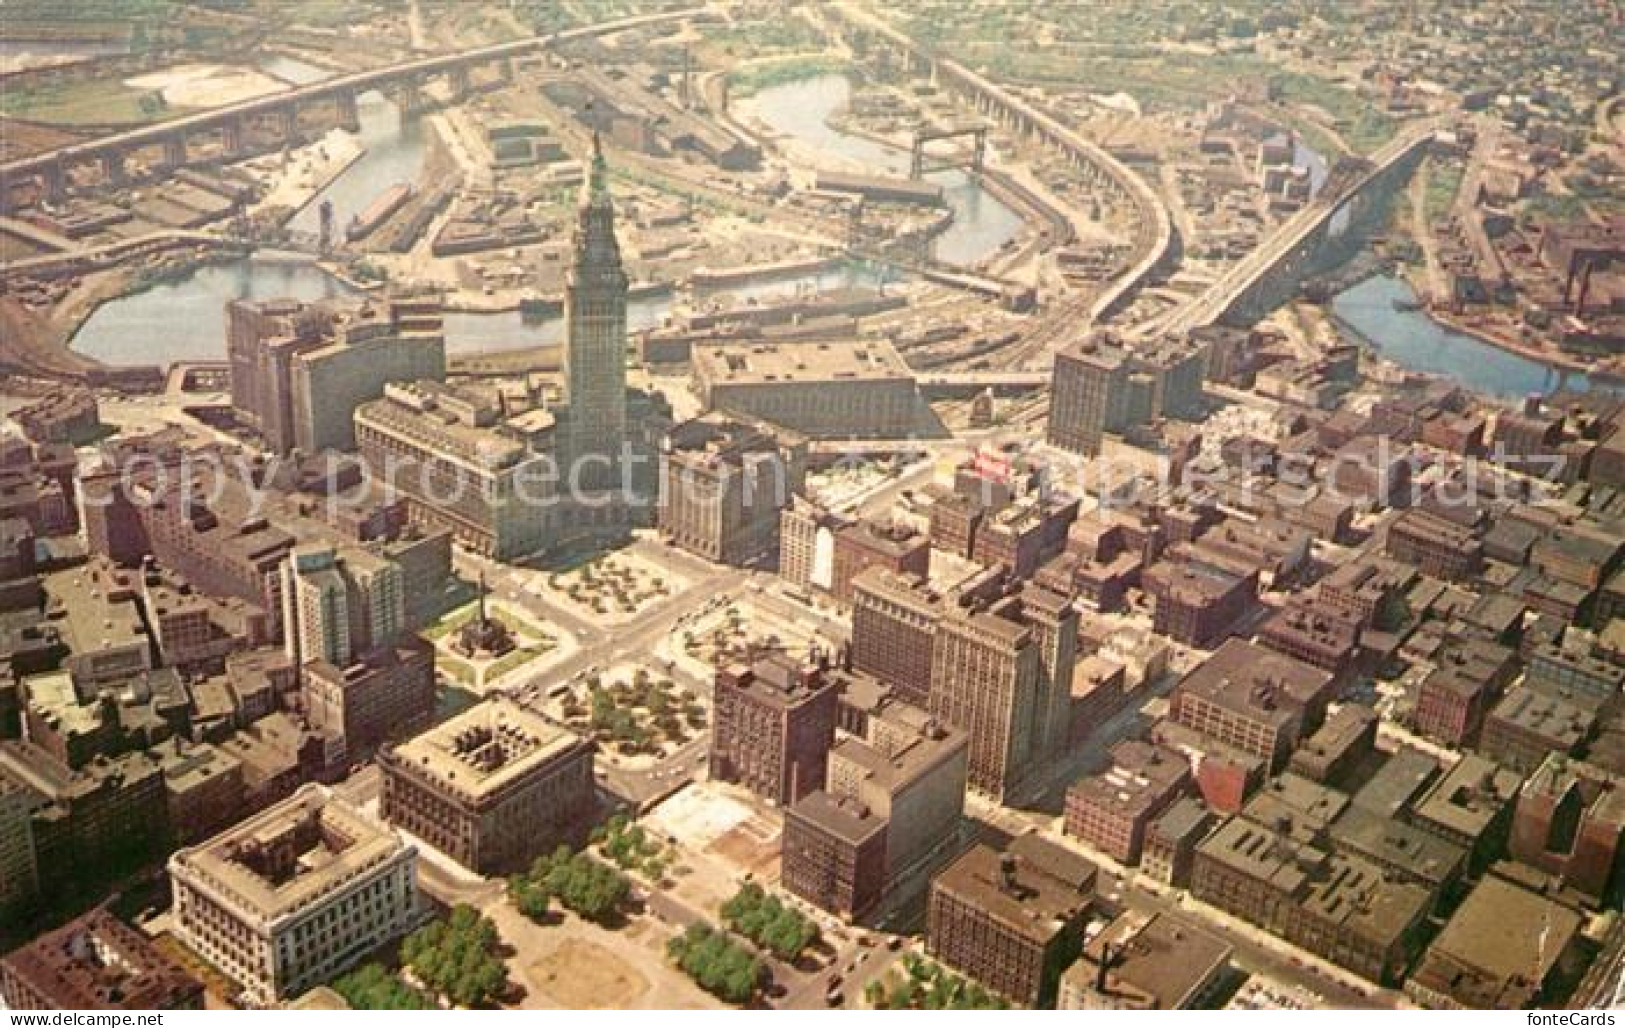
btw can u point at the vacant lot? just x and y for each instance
(581, 975)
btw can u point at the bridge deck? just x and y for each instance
(327, 89)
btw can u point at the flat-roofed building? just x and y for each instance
(807, 545)
(1570, 823)
(1324, 640)
(1438, 547)
(107, 817)
(400, 340)
(1470, 805)
(773, 723)
(1197, 603)
(458, 468)
(1589, 678)
(1112, 810)
(894, 625)
(1396, 786)
(1170, 841)
(834, 853)
(1259, 701)
(1409, 854)
(1147, 962)
(910, 769)
(96, 962)
(1505, 948)
(205, 788)
(19, 872)
(986, 679)
(865, 545)
(294, 896)
(1465, 683)
(492, 787)
(1528, 724)
(94, 609)
(724, 481)
(1345, 741)
(1370, 591)
(1011, 920)
(262, 338)
(824, 390)
(385, 692)
(1339, 907)
(1090, 391)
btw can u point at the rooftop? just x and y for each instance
(97, 962)
(763, 363)
(1139, 777)
(1398, 783)
(1248, 678)
(1158, 962)
(291, 855)
(1499, 947)
(1564, 725)
(847, 819)
(1040, 888)
(487, 747)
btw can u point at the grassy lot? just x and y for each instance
(94, 102)
(515, 658)
(756, 78)
(456, 669)
(1443, 183)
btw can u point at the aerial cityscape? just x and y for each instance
(697, 504)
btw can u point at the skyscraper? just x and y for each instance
(595, 321)
(1088, 396)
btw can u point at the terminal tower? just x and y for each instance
(595, 290)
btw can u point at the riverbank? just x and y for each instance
(1539, 354)
(1382, 314)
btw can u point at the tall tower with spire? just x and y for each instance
(595, 323)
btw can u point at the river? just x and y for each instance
(184, 320)
(1413, 340)
(801, 109)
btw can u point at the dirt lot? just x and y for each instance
(19, 138)
(581, 975)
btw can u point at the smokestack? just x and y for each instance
(1102, 967)
(1007, 874)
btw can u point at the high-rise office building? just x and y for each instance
(1088, 396)
(299, 370)
(595, 334)
(986, 678)
(316, 607)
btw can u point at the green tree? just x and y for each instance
(456, 958)
(372, 987)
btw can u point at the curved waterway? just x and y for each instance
(1413, 340)
(801, 109)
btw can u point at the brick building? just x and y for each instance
(833, 854)
(865, 545)
(1141, 962)
(725, 480)
(1113, 809)
(773, 724)
(1570, 823)
(1011, 920)
(894, 624)
(96, 962)
(1253, 699)
(1196, 603)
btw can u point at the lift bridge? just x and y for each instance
(920, 161)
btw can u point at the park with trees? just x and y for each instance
(457, 958)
